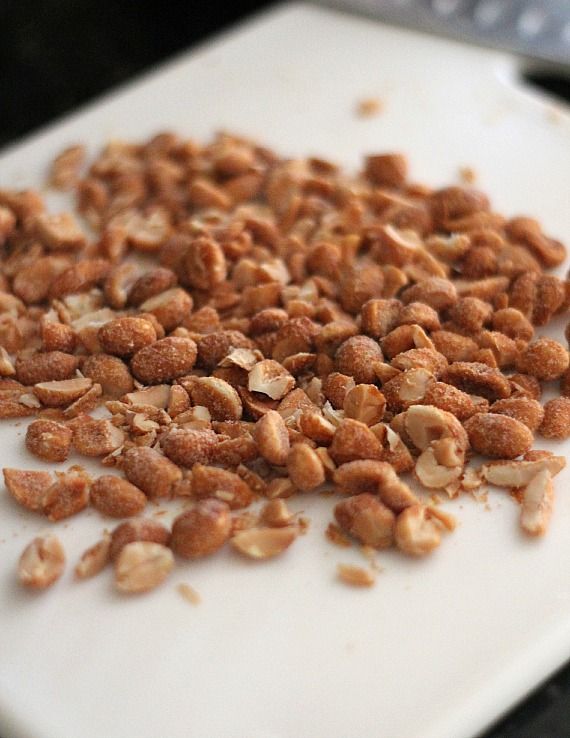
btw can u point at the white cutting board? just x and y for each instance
(440, 647)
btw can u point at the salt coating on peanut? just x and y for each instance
(290, 330)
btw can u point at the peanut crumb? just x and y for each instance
(337, 536)
(189, 593)
(467, 174)
(369, 107)
(355, 576)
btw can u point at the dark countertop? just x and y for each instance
(58, 54)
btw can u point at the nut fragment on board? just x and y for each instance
(94, 559)
(142, 566)
(42, 562)
(264, 543)
(356, 576)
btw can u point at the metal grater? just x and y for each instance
(539, 29)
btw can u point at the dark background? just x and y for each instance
(57, 54)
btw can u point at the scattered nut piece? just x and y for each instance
(41, 563)
(367, 519)
(525, 409)
(544, 359)
(189, 446)
(202, 530)
(97, 437)
(123, 337)
(63, 392)
(416, 533)
(117, 498)
(150, 471)
(67, 496)
(209, 481)
(189, 593)
(263, 543)
(142, 566)
(137, 529)
(94, 559)
(556, 422)
(28, 488)
(369, 107)
(221, 399)
(275, 514)
(49, 440)
(356, 576)
(515, 474)
(305, 468)
(536, 506)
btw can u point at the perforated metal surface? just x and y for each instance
(535, 28)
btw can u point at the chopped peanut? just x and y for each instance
(94, 559)
(305, 467)
(536, 506)
(356, 576)
(42, 563)
(49, 440)
(263, 543)
(202, 530)
(138, 529)
(117, 498)
(28, 488)
(150, 471)
(272, 438)
(141, 566)
(367, 519)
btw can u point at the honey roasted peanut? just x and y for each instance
(202, 530)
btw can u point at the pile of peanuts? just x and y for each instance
(257, 327)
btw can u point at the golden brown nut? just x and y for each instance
(272, 439)
(201, 530)
(49, 440)
(117, 498)
(138, 529)
(556, 423)
(356, 358)
(498, 436)
(164, 360)
(150, 471)
(544, 359)
(209, 481)
(367, 519)
(125, 336)
(525, 409)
